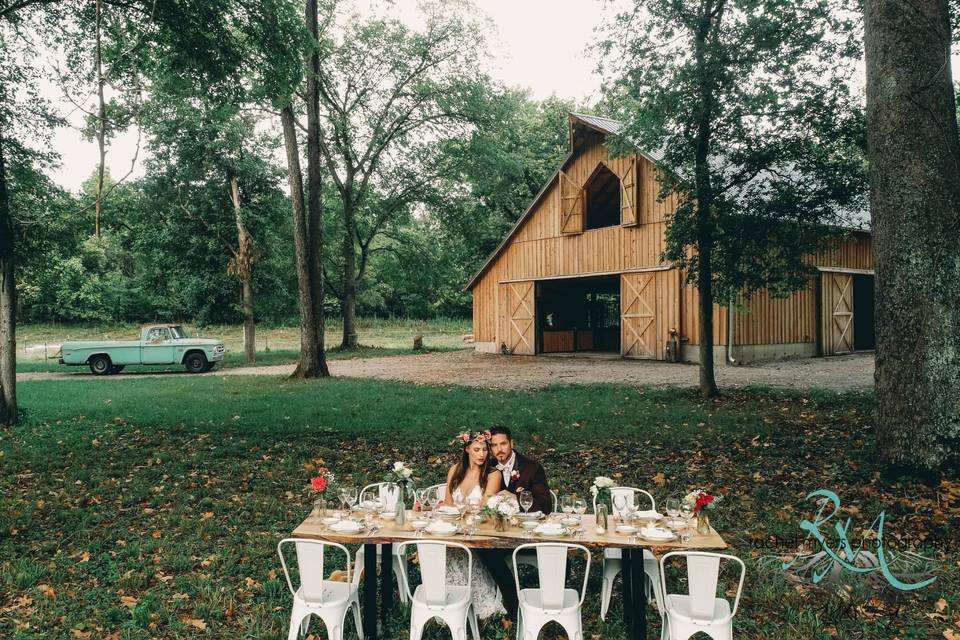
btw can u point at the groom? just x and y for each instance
(519, 473)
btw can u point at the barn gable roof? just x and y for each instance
(604, 126)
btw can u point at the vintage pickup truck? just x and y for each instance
(158, 344)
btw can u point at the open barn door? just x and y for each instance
(571, 205)
(836, 291)
(629, 203)
(638, 319)
(517, 327)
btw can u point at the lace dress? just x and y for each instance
(486, 596)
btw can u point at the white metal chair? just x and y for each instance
(434, 598)
(440, 490)
(389, 494)
(327, 599)
(551, 600)
(700, 610)
(613, 558)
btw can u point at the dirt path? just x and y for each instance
(522, 372)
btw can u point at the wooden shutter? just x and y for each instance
(638, 315)
(571, 205)
(629, 202)
(837, 312)
(517, 329)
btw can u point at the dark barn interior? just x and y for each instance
(579, 314)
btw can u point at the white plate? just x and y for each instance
(570, 520)
(346, 526)
(647, 515)
(657, 533)
(533, 515)
(330, 520)
(441, 528)
(626, 530)
(550, 529)
(448, 511)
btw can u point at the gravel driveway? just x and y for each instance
(526, 372)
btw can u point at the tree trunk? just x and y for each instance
(349, 308)
(8, 305)
(309, 364)
(315, 190)
(708, 382)
(914, 155)
(101, 120)
(243, 271)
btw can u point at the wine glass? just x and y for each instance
(526, 500)
(686, 512)
(566, 504)
(421, 499)
(434, 501)
(580, 507)
(620, 506)
(460, 502)
(349, 494)
(470, 524)
(673, 507)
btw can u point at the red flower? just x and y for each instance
(515, 475)
(319, 484)
(702, 500)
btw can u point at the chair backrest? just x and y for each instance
(432, 557)
(631, 494)
(388, 492)
(552, 571)
(310, 561)
(703, 573)
(554, 500)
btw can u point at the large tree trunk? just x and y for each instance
(309, 365)
(8, 305)
(349, 307)
(914, 154)
(315, 191)
(243, 271)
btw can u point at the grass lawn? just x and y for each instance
(38, 344)
(152, 507)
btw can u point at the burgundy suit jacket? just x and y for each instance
(533, 478)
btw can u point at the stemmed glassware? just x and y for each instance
(686, 512)
(566, 504)
(422, 498)
(526, 500)
(580, 507)
(620, 506)
(673, 508)
(434, 501)
(348, 494)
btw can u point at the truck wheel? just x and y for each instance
(195, 363)
(117, 368)
(210, 366)
(100, 365)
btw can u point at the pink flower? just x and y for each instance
(465, 437)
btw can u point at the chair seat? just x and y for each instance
(533, 598)
(679, 606)
(456, 596)
(334, 594)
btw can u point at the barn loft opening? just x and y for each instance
(602, 191)
(579, 314)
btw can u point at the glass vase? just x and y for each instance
(500, 522)
(703, 524)
(320, 507)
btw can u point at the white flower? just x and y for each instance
(406, 472)
(398, 466)
(594, 490)
(603, 482)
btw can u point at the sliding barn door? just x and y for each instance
(638, 315)
(836, 290)
(629, 203)
(517, 326)
(571, 205)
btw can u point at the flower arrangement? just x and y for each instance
(600, 489)
(322, 481)
(698, 499)
(401, 475)
(501, 505)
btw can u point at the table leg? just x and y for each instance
(639, 595)
(386, 581)
(628, 600)
(370, 591)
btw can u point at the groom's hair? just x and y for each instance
(501, 429)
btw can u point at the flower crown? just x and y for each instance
(466, 437)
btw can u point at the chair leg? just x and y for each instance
(357, 619)
(474, 626)
(401, 581)
(610, 571)
(574, 629)
(334, 625)
(305, 625)
(531, 632)
(298, 618)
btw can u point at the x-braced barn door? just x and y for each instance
(837, 309)
(638, 315)
(517, 327)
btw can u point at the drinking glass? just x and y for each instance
(434, 501)
(470, 524)
(566, 504)
(459, 502)
(620, 506)
(580, 507)
(673, 507)
(526, 500)
(686, 512)
(422, 499)
(350, 495)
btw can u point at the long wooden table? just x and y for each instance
(634, 599)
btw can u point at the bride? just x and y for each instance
(471, 481)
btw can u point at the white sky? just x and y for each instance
(541, 45)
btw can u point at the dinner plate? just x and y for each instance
(441, 528)
(346, 526)
(330, 520)
(448, 511)
(626, 529)
(657, 533)
(550, 530)
(532, 515)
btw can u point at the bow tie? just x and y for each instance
(501, 467)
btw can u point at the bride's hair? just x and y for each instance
(460, 468)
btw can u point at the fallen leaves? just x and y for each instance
(48, 591)
(196, 623)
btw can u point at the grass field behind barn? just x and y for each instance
(151, 508)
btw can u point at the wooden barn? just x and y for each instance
(581, 272)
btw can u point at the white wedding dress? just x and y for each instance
(486, 596)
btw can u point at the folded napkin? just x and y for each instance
(531, 514)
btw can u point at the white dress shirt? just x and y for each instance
(508, 468)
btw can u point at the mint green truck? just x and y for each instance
(159, 344)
